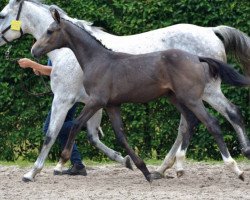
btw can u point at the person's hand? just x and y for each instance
(36, 72)
(25, 63)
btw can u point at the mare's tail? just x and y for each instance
(235, 42)
(227, 73)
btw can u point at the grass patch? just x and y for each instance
(87, 162)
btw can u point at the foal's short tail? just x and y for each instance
(227, 73)
(236, 43)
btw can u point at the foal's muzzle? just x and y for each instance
(35, 53)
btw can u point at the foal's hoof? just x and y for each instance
(128, 162)
(149, 178)
(246, 152)
(57, 172)
(241, 176)
(180, 173)
(156, 175)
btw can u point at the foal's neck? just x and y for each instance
(85, 47)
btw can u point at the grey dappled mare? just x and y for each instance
(112, 79)
(36, 17)
(65, 83)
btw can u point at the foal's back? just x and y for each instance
(141, 78)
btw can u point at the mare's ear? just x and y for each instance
(56, 16)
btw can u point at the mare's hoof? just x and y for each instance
(180, 173)
(26, 180)
(128, 162)
(156, 175)
(246, 152)
(241, 176)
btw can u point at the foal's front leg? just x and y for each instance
(115, 118)
(88, 111)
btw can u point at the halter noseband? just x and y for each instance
(9, 27)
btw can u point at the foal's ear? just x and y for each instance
(19, 1)
(56, 16)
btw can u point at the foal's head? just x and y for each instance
(53, 38)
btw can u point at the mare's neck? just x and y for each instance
(85, 47)
(35, 19)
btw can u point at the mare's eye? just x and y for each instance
(2, 17)
(49, 32)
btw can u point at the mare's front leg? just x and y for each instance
(93, 126)
(60, 108)
(115, 118)
(172, 155)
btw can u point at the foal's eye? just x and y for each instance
(2, 17)
(49, 32)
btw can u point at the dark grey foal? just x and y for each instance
(112, 79)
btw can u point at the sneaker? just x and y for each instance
(73, 171)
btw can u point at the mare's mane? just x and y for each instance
(80, 25)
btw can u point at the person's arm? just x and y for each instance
(37, 68)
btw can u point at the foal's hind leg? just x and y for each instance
(94, 140)
(213, 127)
(115, 118)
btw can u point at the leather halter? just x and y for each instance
(9, 27)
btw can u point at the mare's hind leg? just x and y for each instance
(171, 156)
(189, 122)
(213, 127)
(178, 150)
(59, 111)
(219, 102)
(115, 118)
(192, 123)
(93, 125)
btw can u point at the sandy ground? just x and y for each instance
(113, 182)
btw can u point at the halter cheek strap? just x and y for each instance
(8, 28)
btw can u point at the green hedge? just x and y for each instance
(151, 128)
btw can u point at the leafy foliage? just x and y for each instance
(151, 128)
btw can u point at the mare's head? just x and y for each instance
(24, 16)
(9, 13)
(53, 38)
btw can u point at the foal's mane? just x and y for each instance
(80, 25)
